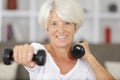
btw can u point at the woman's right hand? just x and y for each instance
(23, 54)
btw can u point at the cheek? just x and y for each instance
(50, 33)
(72, 31)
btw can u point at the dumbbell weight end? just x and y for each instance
(7, 56)
(77, 51)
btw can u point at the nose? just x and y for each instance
(61, 29)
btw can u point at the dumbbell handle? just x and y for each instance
(39, 58)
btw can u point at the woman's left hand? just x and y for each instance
(87, 49)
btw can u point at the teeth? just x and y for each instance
(61, 37)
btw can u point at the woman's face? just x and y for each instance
(61, 33)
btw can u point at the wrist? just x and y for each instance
(88, 57)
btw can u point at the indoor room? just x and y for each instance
(19, 25)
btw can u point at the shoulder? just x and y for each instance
(34, 44)
(38, 45)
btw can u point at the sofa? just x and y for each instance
(102, 52)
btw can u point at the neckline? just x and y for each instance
(58, 69)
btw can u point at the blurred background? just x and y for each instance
(19, 24)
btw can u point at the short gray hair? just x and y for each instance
(67, 10)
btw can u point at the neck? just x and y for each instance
(63, 52)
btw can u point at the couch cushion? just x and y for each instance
(8, 72)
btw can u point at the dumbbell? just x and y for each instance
(77, 51)
(39, 58)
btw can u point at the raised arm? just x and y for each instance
(100, 72)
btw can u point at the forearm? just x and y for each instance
(100, 72)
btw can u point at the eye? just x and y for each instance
(53, 23)
(67, 23)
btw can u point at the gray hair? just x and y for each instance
(67, 10)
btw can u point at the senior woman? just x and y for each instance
(61, 19)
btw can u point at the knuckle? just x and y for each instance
(31, 48)
(25, 45)
(15, 48)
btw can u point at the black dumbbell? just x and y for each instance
(77, 51)
(39, 58)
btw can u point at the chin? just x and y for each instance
(61, 45)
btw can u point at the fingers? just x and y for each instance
(85, 45)
(29, 57)
(23, 54)
(15, 56)
(30, 53)
(87, 50)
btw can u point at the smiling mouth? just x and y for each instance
(61, 36)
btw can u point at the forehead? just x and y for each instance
(54, 16)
